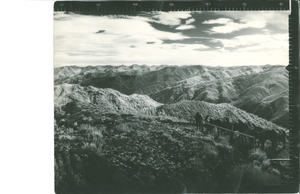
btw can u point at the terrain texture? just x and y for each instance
(132, 129)
(261, 90)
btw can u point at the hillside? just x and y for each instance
(75, 98)
(103, 136)
(157, 154)
(261, 90)
(106, 100)
(264, 93)
(148, 79)
(223, 112)
(211, 84)
(93, 75)
(138, 157)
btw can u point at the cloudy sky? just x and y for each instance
(172, 38)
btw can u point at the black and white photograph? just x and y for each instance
(171, 101)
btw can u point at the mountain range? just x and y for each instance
(261, 90)
(85, 103)
(135, 127)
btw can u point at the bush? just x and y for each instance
(210, 152)
(266, 165)
(258, 155)
(93, 137)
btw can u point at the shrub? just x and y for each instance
(210, 152)
(266, 165)
(94, 137)
(258, 155)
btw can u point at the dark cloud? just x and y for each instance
(119, 14)
(205, 41)
(275, 30)
(203, 49)
(239, 47)
(241, 32)
(132, 46)
(162, 27)
(100, 31)
(150, 42)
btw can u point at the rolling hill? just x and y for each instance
(104, 99)
(149, 80)
(75, 98)
(103, 136)
(223, 112)
(261, 90)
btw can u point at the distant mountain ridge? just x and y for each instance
(150, 80)
(261, 90)
(69, 71)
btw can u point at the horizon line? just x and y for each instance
(167, 65)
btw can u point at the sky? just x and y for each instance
(219, 38)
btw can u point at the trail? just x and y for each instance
(184, 190)
(236, 178)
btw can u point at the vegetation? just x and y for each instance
(98, 152)
(261, 90)
(187, 110)
(106, 100)
(108, 142)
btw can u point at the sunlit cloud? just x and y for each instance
(185, 27)
(218, 21)
(78, 37)
(189, 21)
(177, 38)
(171, 18)
(229, 26)
(264, 41)
(247, 20)
(278, 19)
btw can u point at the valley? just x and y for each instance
(132, 129)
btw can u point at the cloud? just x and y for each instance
(266, 31)
(185, 27)
(229, 26)
(76, 43)
(279, 19)
(182, 55)
(189, 21)
(250, 19)
(76, 36)
(201, 48)
(171, 18)
(218, 21)
(100, 31)
(270, 42)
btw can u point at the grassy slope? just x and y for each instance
(264, 94)
(261, 90)
(144, 153)
(141, 153)
(127, 153)
(104, 99)
(148, 79)
(187, 110)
